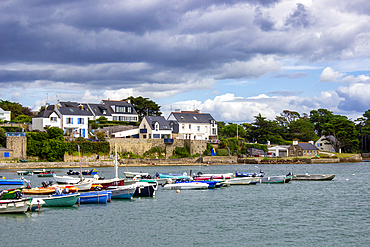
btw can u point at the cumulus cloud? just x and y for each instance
(329, 75)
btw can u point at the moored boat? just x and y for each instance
(249, 174)
(172, 176)
(314, 177)
(135, 174)
(63, 200)
(11, 181)
(11, 193)
(186, 186)
(243, 180)
(122, 192)
(91, 172)
(275, 179)
(66, 179)
(144, 189)
(45, 174)
(14, 205)
(25, 173)
(98, 197)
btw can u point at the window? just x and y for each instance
(53, 119)
(80, 121)
(198, 128)
(183, 126)
(206, 129)
(129, 109)
(156, 126)
(120, 108)
(150, 136)
(115, 118)
(156, 136)
(6, 154)
(291, 152)
(69, 120)
(104, 112)
(189, 126)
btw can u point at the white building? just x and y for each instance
(193, 125)
(155, 127)
(325, 145)
(5, 115)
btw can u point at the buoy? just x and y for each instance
(177, 191)
(347, 179)
(353, 174)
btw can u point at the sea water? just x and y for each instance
(299, 213)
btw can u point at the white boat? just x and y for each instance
(186, 186)
(14, 205)
(66, 179)
(135, 174)
(83, 185)
(314, 177)
(243, 180)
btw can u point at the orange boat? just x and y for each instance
(49, 190)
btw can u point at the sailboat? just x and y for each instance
(112, 181)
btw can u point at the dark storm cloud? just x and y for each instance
(299, 18)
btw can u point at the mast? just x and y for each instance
(115, 160)
(79, 156)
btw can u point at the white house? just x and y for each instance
(155, 127)
(193, 125)
(47, 118)
(5, 115)
(279, 151)
(324, 145)
(121, 110)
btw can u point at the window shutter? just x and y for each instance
(83, 122)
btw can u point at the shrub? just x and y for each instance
(222, 152)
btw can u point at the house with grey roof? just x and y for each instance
(193, 125)
(325, 143)
(155, 127)
(303, 149)
(121, 110)
(46, 119)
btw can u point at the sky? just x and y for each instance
(233, 59)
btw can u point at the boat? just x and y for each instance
(186, 186)
(48, 189)
(45, 174)
(211, 183)
(83, 185)
(313, 177)
(25, 173)
(72, 172)
(122, 192)
(11, 193)
(243, 180)
(135, 174)
(41, 171)
(209, 176)
(66, 179)
(275, 179)
(249, 174)
(99, 197)
(15, 205)
(63, 200)
(144, 189)
(12, 181)
(173, 176)
(159, 181)
(91, 172)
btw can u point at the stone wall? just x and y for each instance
(220, 159)
(92, 158)
(140, 146)
(19, 145)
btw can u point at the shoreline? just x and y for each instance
(206, 161)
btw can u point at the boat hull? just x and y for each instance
(274, 179)
(122, 192)
(243, 180)
(61, 201)
(186, 186)
(314, 177)
(144, 189)
(96, 197)
(11, 182)
(14, 206)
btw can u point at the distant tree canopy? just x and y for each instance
(144, 106)
(15, 108)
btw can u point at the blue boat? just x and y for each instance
(4, 181)
(249, 174)
(99, 197)
(211, 184)
(91, 172)
(122, 192)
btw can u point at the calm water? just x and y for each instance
(306, 213)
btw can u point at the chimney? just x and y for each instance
(81, 106)
(128, 101)
(295, 142)
(177, 110)
(311, 142)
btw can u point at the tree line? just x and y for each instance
(346, 135)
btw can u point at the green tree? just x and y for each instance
(144, 106)
(15, 108)
(266, 130)
(2, 137)
(55, 133)
(344, 132)
(319, 118)
(229, 131)
(301, 129)
(23, 119)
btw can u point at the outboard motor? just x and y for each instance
(1, 194)
(28, 185)
(51, 182)
(44, 184)
(97, 188)
(65, 191)
(18, 194)
(58, 191)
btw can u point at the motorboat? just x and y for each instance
(66, 179)
(62, 200)
(313, 177)
(122, 192)
(15, 205)
(135, 174)
(189, 185)
(98, 197)
(243, 180)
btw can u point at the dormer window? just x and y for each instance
(104, 112)
(195, 118)
(156, 126)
